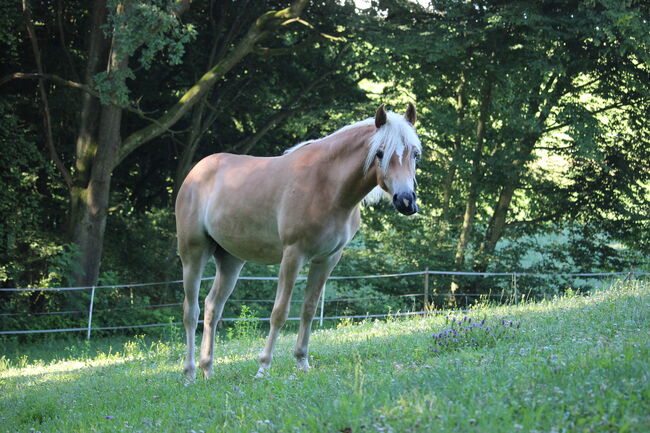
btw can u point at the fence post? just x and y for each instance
(514, 285)
(90, 312)
(426, 288)
(630, 276)
(322, 304)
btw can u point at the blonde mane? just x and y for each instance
(394, 137)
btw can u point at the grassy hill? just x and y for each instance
(574, 364)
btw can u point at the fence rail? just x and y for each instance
(425, 294)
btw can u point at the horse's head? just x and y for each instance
(395, 149)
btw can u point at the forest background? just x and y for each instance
(533, 116)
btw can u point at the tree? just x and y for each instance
(495, 80)
(146, 28)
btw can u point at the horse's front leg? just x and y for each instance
(292, 261)
(319, 272)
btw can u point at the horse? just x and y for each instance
(298, 208)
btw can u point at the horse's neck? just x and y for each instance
(346, 173)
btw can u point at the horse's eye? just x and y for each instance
(416, 155)
(380, 154)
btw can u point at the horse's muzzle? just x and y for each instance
(405, 203)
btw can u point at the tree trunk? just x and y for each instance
(447, 189)
(554, 89)
(97, 150)
(475, 180)
(452, 167)
(92, 202)
(497, 222)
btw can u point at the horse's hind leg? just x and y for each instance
(319, 272)
(194, 256)
(228, 268)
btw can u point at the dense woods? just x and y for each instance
(533, 116)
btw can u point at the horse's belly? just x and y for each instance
(252, 241)
(251, 250)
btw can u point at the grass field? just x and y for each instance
(573, 364)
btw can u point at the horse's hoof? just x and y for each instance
(189, 372)
(303, 365)
(207, 369)
(262, 373)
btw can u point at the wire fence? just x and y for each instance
(426, 294)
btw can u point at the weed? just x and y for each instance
(247, 326)
(470, 332)
(4, 363)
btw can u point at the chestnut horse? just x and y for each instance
(292, 209)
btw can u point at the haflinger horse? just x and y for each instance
(298, 208)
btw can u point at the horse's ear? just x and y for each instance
(380, 117)
(410, 113)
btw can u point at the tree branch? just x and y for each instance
(83, 87)
(47, 121)
(268, 52)
(540, 219)
(600, 110)
(50, 77)
(259, 30)
(59, 21)
(244, 146)
(180, 7)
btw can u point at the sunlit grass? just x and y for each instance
(574, 364)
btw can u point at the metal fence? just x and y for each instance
(425, 294)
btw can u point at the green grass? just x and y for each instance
(574, 364)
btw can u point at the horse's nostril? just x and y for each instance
(394, 197)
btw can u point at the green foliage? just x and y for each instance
(248, 325)
(146, 30)
(554, 72)
(22, 170)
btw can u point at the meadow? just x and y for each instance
(571, 364)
